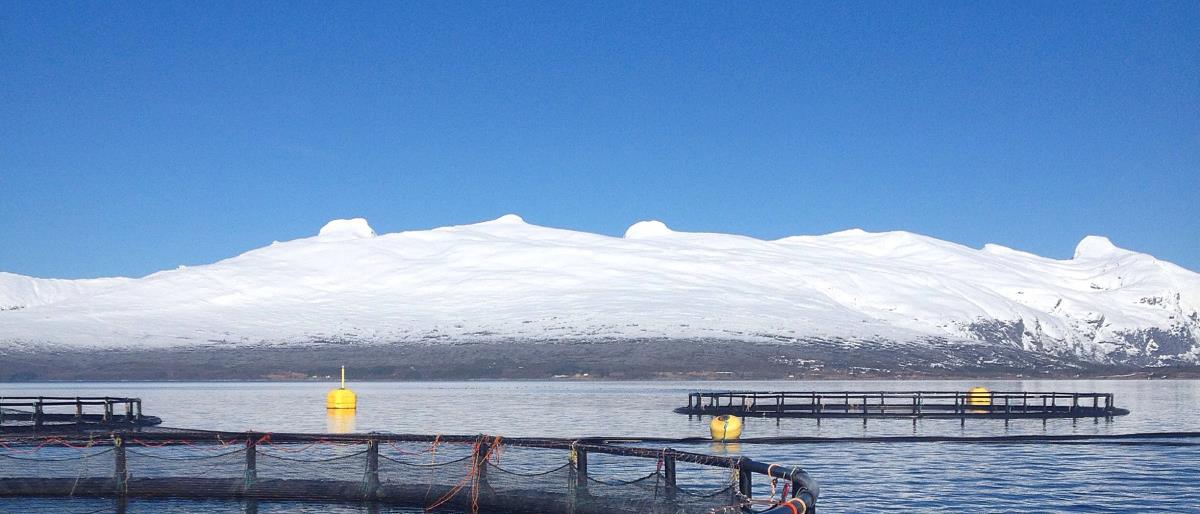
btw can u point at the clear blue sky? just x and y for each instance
(138, 137)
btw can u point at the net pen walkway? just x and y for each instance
(33, 413)
(903, 404)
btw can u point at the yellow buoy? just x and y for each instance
(725, 428)
(979, 396)
(341, 398)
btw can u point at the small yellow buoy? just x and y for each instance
(341, 398)
(979, 396)
(725, 428)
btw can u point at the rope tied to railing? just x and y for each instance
(437, 439)
(472, 478)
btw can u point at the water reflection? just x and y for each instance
(584, 409)
(725, 449)
(339, 421)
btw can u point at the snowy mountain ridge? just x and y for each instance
(507, 280)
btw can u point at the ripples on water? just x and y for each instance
(854, 477)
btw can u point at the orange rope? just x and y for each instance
(280, 448)
(472, 472)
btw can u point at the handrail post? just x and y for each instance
(120, 465)
(128, 411)
(669, 472)
(581, 471)
(251, 461)
(745, 480)
(372, 478)
(139, 409)
(481, 458)
(78, 409)
(37, 413)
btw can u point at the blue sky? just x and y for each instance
(138, 137)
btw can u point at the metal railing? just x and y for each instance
(26, 410)
(247, 484)
(915, 404)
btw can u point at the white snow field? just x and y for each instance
(506, 280)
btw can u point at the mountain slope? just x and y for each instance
(506, 280)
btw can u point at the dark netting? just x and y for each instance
(54, 461)
(459, 473)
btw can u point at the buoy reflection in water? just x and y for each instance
(724, 448)
(339, 421)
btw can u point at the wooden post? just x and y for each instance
(372, 478)
(78, 409)
(669, 473)
(108, 410)
(129, 411)
(251, 461)
(120, 469)
(37, 413)
(139, 409)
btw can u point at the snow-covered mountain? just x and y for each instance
(506, 280)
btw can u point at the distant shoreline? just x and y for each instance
(563, 361)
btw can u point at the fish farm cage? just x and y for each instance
(903, 404)
(461, 473)
(33, 413)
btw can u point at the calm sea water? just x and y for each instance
(854, 477)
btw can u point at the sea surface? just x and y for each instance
(854, 476)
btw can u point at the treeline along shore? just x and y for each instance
(612, 360)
